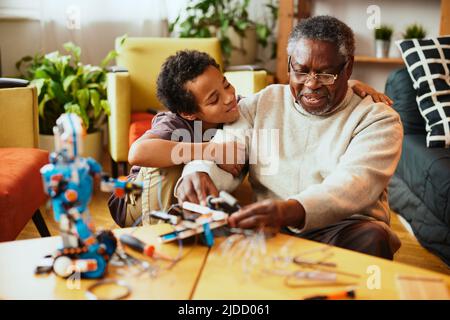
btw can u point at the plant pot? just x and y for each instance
(92, 145)
(246, 47)
(382, 48)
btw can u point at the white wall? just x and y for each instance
(398, 14)
(31, 26)
(18, 39)
(25, 37)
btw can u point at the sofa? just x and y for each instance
(420, 188)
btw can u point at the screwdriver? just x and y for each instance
(139, 246)
(335, 296)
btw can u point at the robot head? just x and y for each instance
(69, 134)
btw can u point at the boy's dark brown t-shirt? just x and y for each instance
(171, 126)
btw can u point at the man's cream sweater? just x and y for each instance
(336, 165)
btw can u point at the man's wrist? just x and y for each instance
(294, 213)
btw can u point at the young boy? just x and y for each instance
(200, 100)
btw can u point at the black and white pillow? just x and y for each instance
(428, 64)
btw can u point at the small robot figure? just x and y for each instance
(68, 180)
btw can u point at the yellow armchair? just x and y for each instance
(21, 189)
(132, 87)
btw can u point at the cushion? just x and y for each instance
(399, 88)
(428, 63)
(22, 191)
(140, 123)
(427, 174)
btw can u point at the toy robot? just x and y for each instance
(68, 180)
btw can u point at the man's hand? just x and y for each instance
(269, 213)
(195, 187)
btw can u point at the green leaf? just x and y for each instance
(242, 25)
(83, 98)
(204, 33)
(110, 56)
(122, 39)
(56, 90)
(41, 74)
(39, 83)
(77, 109)
(42, 104)
(72, 48)
(227, 47)
(21, 61)
(262, 32)
(105, 106)
(68, 81)
(95, 102)
(92, 76)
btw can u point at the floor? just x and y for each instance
(411, 252)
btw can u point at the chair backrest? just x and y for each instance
(19, 116)
(143, 58)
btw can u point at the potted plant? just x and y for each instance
(64, 84)
(229, 21)
(383, 36)
(414, 31)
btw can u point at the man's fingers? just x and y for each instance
(247, 211)
(252, 222)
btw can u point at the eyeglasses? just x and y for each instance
(325, 79)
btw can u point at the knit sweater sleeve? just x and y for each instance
(363, 172)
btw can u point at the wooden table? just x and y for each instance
(210, 273)
(224, 278)
(18, 260)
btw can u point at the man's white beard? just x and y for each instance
(317, 112)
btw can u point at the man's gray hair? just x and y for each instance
(325, 28)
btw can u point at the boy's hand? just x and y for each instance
(234, 169)
(195, 187)
(362, 90)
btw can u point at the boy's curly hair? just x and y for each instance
(178, 69)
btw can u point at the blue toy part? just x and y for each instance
(101, 265)
(94, 166)
(209, 238)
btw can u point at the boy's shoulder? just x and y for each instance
(170, 121)
(165, 123)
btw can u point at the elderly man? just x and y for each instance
(335, 151)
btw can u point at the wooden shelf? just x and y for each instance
(369, 59)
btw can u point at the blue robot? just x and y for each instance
(68, 180)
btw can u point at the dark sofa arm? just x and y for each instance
(12, 83)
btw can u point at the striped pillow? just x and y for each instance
(428, 64)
